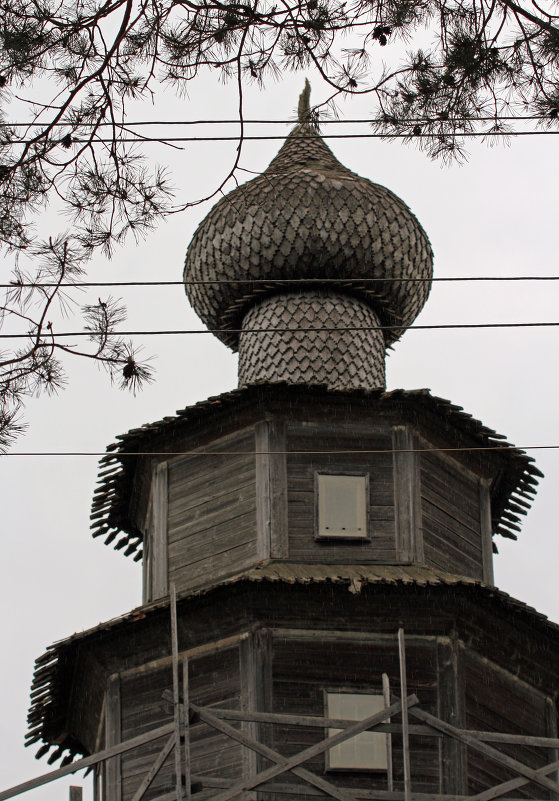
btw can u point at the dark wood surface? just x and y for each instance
(497, 700)
(212, 512)
(301, 469)
(113, 736)
(450, 513)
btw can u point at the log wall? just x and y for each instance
(304, 669)
(451, 516)
(212, 512)
(214, 681)
(495, 700)
(301, 469)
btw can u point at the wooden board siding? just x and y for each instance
(451, 516)
(301, 471)
(143, 709)
(303, 670)
(212, 512)
(214, 681)
(497, 701)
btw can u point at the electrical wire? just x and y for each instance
(274, 281)
(281, 137)
(305, 329)
(504, 447)
(140, 123)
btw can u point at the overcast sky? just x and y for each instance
(495, 215)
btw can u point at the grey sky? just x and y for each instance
(496, 215)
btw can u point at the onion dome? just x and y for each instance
(308, 217)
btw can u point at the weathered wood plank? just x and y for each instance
(366, 795)
(443, 550)
(159, 558)
(154, 770)
(216, 565)
(211, 509)
(405, 721)
(86, 762)
(499, 757)
(453, 769)
(209, 545)
(278, 488)
(462, 493)
(499, 790)
(176, 691)
(447, 468)
(389, 756)
(75, 793)
(486, 531)
(249, 703)
(189, 502)
(319, 722)
(221, 524)
(405, 502)
(186, 726)
(464, 538)
(113, 737)
(293, 763)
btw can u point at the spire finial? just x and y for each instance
(304, 107)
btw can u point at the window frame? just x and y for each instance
(330, 731)
(340, 537)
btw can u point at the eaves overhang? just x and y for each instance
(52, 687)
(511, 496)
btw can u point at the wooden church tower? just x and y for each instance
(319, 616)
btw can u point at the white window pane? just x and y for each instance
(342, 506)
(366, 751)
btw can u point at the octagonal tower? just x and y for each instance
(302, 520)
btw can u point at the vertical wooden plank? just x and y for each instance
(278, 486)
(405, 721)
(75, 793)
(147, 568)
(416, 507)
(551, 731)
(186, 726)
(248, 673)
(255, 667)
(271, 489)
(449, 709)
(98, 782)
(176, 694)
(113, 785)
(390, 769)
(263, 491)
(409, 544)
(159, 550)
(486, 531)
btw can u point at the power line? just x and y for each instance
(281, 138)
(305, 329)
(504, 447)
(276, 281)
(139, 123)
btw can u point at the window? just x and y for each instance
(342, 505)
(365, 751)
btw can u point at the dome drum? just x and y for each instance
(312, 337)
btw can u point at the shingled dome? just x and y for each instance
(308, 217)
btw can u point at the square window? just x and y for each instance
(342, 505)
(365, 751)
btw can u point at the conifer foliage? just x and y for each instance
(433, 69)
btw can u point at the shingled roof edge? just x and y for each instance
(109, 509)
(52, 665)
